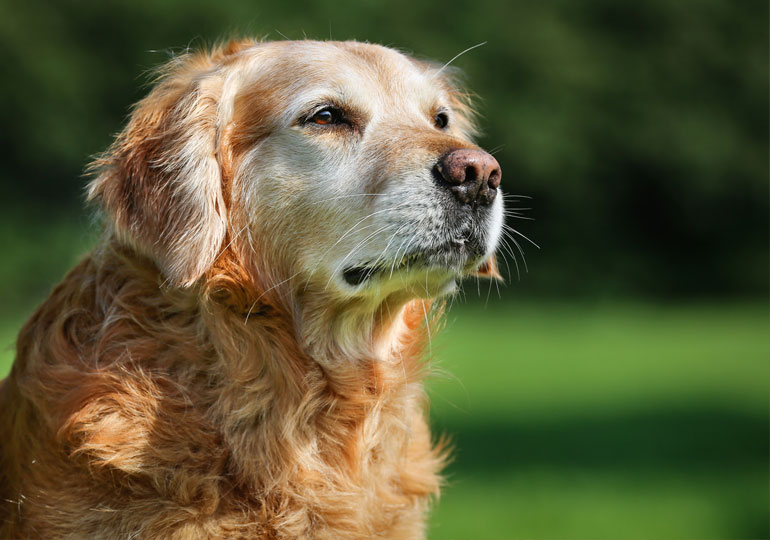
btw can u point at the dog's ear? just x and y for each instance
(160, 182)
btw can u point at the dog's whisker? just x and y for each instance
(427, 324)
(321, 259)
(354, 249)
(496, 149)
(508, 266)
(382, 256)
(511, 229)
(350, 230)
(507, 248)
(395, 256)
(248, 314)
(396, 259)
(236, 235)
(521, 252)
(339, 197)
(455, 57)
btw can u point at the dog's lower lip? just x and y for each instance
(356, 275)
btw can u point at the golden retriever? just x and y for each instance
(240, 355)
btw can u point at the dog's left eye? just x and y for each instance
(327, 116)
(441, 120)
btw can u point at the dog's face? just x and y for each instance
(348, 166)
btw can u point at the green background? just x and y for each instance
(619, 388)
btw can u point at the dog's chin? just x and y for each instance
(419, 281)
(431, 273)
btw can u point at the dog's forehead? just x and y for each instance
(310, 69)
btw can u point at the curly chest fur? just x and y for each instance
(315, 478)
(171, 430)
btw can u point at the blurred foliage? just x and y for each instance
(639, 128)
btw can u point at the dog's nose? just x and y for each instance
(472, 175)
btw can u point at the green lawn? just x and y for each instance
(593, 421)
(604, 421)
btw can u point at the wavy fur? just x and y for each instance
(180, 382)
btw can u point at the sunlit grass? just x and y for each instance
(554, 503)
(621, 420)
(548, 357)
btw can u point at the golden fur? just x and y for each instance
(181, 382)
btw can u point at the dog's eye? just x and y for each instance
(441, 120)
(327, 116)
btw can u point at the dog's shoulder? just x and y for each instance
(101, 406)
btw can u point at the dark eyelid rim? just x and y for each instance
(445, 112)
(345, 119)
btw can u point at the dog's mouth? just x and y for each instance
(457, 259)
(357, 275)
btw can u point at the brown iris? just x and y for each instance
(327, 116)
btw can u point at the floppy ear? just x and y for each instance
(160, 181)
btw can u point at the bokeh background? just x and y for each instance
(619, 387)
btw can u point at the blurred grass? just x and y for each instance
(613, 420)
(619, 420)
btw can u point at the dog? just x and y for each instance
(241, 355)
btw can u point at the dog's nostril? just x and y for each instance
(471, 173)
(494, 178)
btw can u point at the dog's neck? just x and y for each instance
(329, 372)
(280, 414)
(326, 328)
(348, 341)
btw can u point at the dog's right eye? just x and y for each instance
(327, 116)
(441, 120)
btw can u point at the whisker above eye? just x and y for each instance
(455, 57)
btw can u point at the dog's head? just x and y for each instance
(346, 167)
